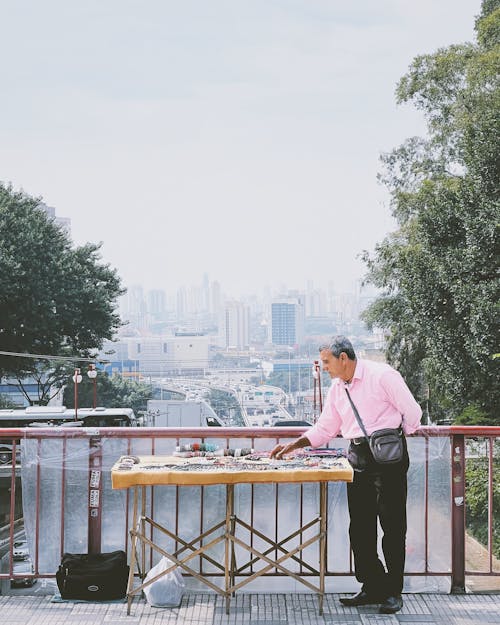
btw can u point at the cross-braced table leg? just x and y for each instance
(322, 541)
(228, 547)
(232, 521)
(138, 533)
(133, 555)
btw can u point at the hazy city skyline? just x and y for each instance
(268, 292)
(235, 139)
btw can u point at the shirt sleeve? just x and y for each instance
(327, 426)
(401, 398)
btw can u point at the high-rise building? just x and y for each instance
(287, 321)
(183, 353)
(215, 298)
(62, 222)
(205, 293)
(181, 307)
(331, 297)
(136, 306)
(157, 303)
(195, 300)
(315, 303)
(236, 325)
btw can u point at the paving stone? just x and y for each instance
(265, 621)
(342, 618)
(416, 618)
(254, 609)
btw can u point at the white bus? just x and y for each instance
(46, 416)
(60, 416)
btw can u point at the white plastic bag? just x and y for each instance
(165, 592)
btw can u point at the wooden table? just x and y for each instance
(178, 471)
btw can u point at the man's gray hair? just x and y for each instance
(338, 345)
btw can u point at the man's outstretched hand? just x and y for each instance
(282, 450)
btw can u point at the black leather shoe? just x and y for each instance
(391, 605)
(362, 598)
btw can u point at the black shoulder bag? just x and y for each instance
(386, 445)
(93, 576)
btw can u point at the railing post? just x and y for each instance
(458, 514)
(12, 508)
(95, 495)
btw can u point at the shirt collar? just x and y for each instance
(358, 371)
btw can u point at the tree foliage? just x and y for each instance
(225, 406)
(55, 299)
(477, 501)
(439, 270)
(295, 380)
(111, 392)
(5, 402)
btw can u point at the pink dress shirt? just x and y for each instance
(381, 396)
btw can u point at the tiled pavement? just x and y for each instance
(253, 609)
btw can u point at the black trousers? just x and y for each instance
(379, 493)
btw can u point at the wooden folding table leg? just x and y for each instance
(142, 572)
(228, 560)
(233, 533)
(322, 541)
(133, 544)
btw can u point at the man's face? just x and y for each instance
(334, 366)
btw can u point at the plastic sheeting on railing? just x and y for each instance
(62, 513)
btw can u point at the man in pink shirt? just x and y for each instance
(378, 491)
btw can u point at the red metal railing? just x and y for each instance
(145, 441)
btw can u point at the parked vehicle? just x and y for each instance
(6, 454)
(20, 551)
(22, 567)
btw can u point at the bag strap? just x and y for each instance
(358, 418)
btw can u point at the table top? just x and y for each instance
(200, 471)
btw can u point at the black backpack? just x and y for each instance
(93, 576)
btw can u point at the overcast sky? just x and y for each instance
(240, 139)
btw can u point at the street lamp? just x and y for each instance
(316, 372)
(92, 374)
(77, 378)
(289, 374)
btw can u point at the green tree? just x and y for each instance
(111, 391)
(5, 402)
(439, 270)
(225, 406)
(476, 508)
(297, 380)
(55, 299)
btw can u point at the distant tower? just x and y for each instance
(216, 298)
(136, 306)
(181, 303)
(331, 297)
(205, 293)
(62, 222)
(157, 304)
(287, 321)
(236, 325)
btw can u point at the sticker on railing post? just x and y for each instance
(94, 498)
(459, 501)
(95, 478)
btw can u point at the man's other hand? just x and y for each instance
(282, 450)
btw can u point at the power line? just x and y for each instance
(50, 357)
